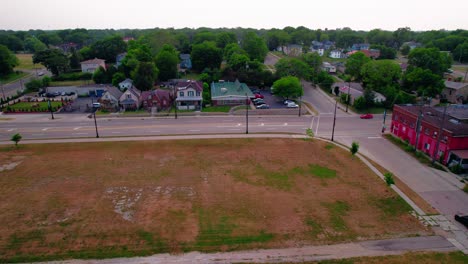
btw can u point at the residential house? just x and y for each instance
(110, 99)
(453, 144)
(189, 95)
(337, 54)
(130, 99)
(185, 61)
(68, 47)
(92, 65)
(355, 90)
(230, 93)
(328, 67)
(119, 58)
(360, 46)
(372, 53)
(412, 44)
(455, 92)
(127, 39)
(291, 50)
(125, 84)
(159, 99)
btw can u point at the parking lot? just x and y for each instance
(273, 101)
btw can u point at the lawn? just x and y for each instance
(27, 106)
(109, 199)
(26, 62)
(223, 109)
(12, 77)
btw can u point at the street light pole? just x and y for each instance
(347, 97)
(246, 114)
(95, 124)
(175, 100)
(50, 108)
(334, 121)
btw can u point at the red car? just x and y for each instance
(259, 96)
(367, 116)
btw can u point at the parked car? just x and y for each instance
(96, 105)
(40, 73)
(257, 95)
(292, 105)
(259, 102)
(263, 106)
(463, 219)
(367, 116)
(287, 101)
(257, 99)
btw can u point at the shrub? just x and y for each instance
(457, 169)
(74, 76)
(465, 189)
(389, 178)
(354, 148)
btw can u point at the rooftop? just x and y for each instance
(230, 89)
(455, 85)
(93, 61)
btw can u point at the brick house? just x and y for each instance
(159, 98)
(454, 139)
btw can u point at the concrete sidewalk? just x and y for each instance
(300, 254)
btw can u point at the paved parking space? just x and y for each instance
(271, 100)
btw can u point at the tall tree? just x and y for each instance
(8, 60)
(206, 55)
(354, 64)
(431, 59)
(225, 38)
(379, 74)
(386, 53)
(424, 81)
(288, 87)
(255, 46)
(292, 67)
(145, 75)
(166, 62)
(276, 38)
(53, 59)
(34, 45)
(108, 48)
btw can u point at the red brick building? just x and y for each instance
(453, 144)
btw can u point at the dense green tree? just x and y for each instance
(183, 43)
(108, 48)
(385, 52)
(34, 45)
(238, 61)
(225, 38)
(354, 65)
(8, 61)
(460, 53)
(379, 74)
(156, 39)
(203, 36)
(288, 87)
(12, 42)
(314, 61)
(206, 55)
(347, 38)
(50, 39)
(255, 46)
(380, 37)
(402, 35)
(405, 50)
(325, 81)
(276, 38)
(75, 59)
(431, 59)
(145, 75)
(206, 93)
(292, 67)
(100, 76)
(117, 78)
(360, 103)
(424, 81)
(233, 48)
(166, 62)
(53, 59)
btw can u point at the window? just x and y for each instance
(191, 93)
(129, 96)
(198, 93)
(434, 134)
(426, 131)
(427, 146)
(181, 94)
(445, 139)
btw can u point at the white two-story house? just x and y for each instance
(189, 95)
(92, 65)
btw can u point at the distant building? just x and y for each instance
(355, 90)
(412, 44)
(185, 61)
(130, 99)
(126, 84)
(337, 54)
(68, 47)
(372, 53)
(92, 65)
(189, 95)
(455, 92)
(159, 99)
(360, 46)
(119, 58)
(127, 39)
(328, 67)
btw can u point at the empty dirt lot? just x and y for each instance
(95, 200)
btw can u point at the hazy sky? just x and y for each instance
(363, 14)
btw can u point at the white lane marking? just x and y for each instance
(37, 134)
(194, 130)
(81, 133)
(262, 124)
(374, 137)
(239, 124)
(45, 129)
(76, 128)
(226, 126)
(285, 124)
(116, 132)
(234, 129)
(13, 129)
(271, 128)
(318, 123)
(155, 131)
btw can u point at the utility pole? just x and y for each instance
(50, 108)
(300, 105)
(418, 128)
(434, 156)
(246, 114)
(175, 99)
(334, 121)
(347, 97)
(95, 124)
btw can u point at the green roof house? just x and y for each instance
(230, 93)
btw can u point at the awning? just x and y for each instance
(461, 153)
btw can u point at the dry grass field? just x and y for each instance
(109, 199)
